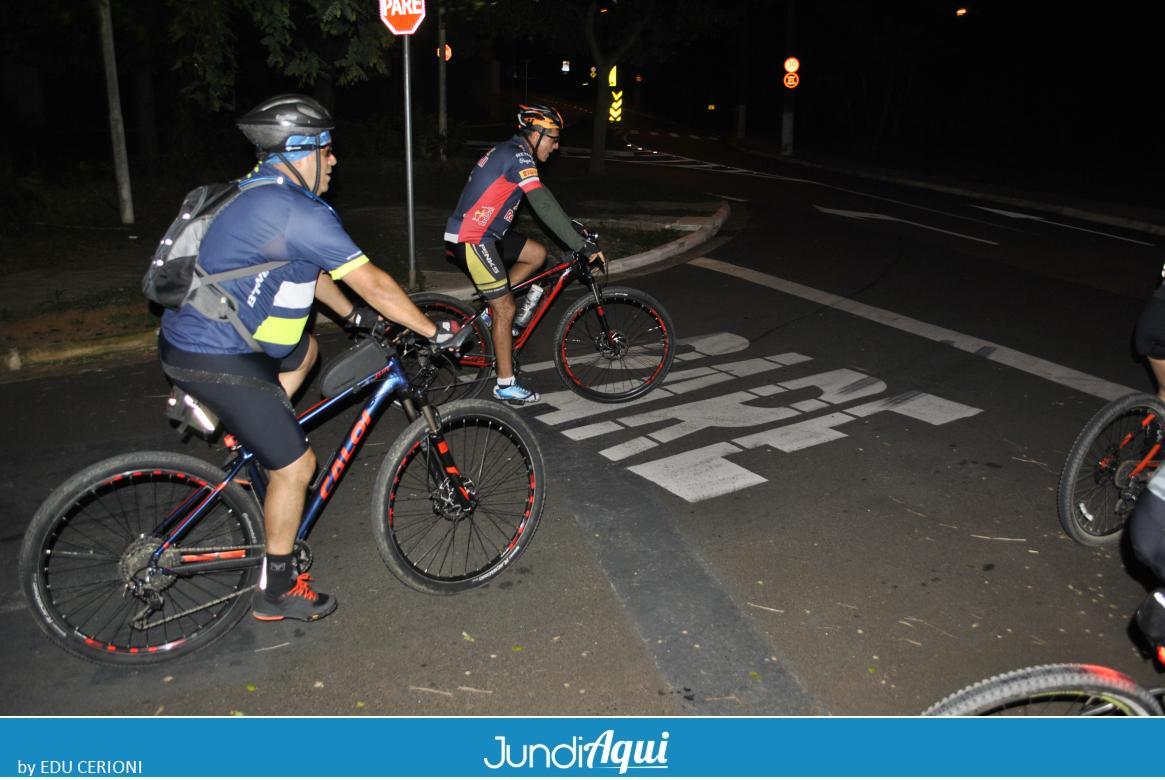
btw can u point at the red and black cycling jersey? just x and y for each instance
(494, 190)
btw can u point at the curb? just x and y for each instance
(1064, 211)
(136, 341)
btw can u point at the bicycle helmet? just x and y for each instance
(289, 127)
(539, 117)
(286, 123)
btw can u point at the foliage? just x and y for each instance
(316, 43)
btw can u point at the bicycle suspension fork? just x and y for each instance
(456, 490)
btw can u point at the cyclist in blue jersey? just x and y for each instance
(248, 377)
(479, 241)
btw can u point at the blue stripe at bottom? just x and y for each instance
(604, 747)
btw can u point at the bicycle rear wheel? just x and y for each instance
(429, 541)
(625, 361)
(83, 562)
(1108, 467)
(467, 378)
(1052, 690)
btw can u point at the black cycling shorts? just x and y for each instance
(244, 391)
(487, 264)
(1150, 335)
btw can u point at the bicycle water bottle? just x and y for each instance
(527, 311)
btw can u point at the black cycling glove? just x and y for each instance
(361, 318)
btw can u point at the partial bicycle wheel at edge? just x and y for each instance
(84, 557)
(424, 537)
(466, 380)
(1052, 690)
(625, 362)
(1108, 467)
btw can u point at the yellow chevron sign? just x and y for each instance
(616, 112)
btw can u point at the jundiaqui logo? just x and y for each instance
(604, 752)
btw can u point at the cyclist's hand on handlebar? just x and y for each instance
(362, 318)
(449, 336)
(594, 255)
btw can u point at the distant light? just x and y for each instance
(638, 78)
(448, 52)
(604, 10)
(594, 71)
(711, 106)
(960, 12)
(566, 66)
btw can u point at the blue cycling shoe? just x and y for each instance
(515, 394)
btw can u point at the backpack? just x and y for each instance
(175, 279)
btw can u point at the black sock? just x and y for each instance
(279, 575)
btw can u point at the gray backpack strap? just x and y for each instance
(215, 303)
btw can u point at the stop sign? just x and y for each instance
(403, 17)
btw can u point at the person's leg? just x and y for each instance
(503, 319)
(529, 256)
(295, 367)
(1158, 366)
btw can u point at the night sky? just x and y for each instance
(1065, 91)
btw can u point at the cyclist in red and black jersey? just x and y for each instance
(478, 236)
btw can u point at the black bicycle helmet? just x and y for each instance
(286, 123)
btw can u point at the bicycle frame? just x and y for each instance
(391, 384)
(563, 273)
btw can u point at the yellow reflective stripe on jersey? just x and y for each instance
(347, 267)
(281, 330)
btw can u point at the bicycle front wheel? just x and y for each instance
(465, 378)
(85, 561)
(624, 360)
(1108, 468)
(1052, 690)
(430, 540)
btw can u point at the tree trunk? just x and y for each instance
(598, 162)
(116, 121)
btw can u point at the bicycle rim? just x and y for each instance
(466, 378)
(99, 539)
(624, 361)
(1054, 690)
(425, 541)
(1108, 469)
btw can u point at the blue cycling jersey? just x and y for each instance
(264, 224)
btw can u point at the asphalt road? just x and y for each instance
(842, 501)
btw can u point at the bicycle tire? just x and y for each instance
(1052, 690)
(90, 532)
(423, 547)
(638, 361)
(477, 356)
(1096, 494)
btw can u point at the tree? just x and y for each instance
(317, 43)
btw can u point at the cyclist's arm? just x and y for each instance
(330, 294)
(546, 206)
(386, 296)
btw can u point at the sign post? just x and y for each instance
(403, 17)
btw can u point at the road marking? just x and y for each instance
(1020, 215)
(1030, 364)
(864, 215)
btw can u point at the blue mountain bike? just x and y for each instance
(150, 555)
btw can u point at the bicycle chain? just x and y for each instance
(137, 625)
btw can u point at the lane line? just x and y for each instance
(1020, 215)
(1030, 364)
